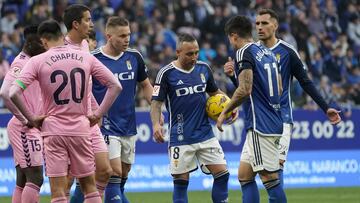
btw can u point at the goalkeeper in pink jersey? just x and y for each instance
(63, 74)
(25, 142)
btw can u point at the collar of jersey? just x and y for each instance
(277, 43)
(111, 57)
(182, 70)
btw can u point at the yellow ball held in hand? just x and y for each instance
(215, 105)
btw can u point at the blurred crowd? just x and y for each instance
(325, 32)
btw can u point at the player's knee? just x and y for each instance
(36, 179)
(34, 175)
(117, 171)
(243, 175)
(87, 184)
(104, 174)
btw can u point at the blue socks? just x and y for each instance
(275, 191)
(250, 191)
(180, 191)
(122, 188)
(219, 192)
(281, 177)
(78, 196)
(112, 190)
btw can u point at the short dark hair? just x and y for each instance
(184, 37)
(30, 30)
(74, 13)
(240, 25)
(270, 12)
(50, 30)
(116, 21)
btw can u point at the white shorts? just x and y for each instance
(122, 147)
(261, 152)
(185, 158)
(284, 143)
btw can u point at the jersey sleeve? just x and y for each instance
(210, 83)
(28, 74)
(298, 70)
(160, 87)
(244, 60)
(142, 69)
(5, 89)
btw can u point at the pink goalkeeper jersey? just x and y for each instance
(63, 74)
(83, 46)
(32, 94)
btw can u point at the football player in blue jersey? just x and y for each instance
(119, 124)
(182, 85)
(259, 91)
(290, 66)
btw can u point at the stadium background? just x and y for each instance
(326, 33)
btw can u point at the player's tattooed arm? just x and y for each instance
(242, 92)
(155, 113)
(240, 95)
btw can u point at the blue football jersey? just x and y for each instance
(292, 66)
(184, 94)
(129, 68)
(262, 108)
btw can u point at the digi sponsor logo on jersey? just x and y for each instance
(125, 75)
(190, 90)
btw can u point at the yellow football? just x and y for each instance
(215, 105)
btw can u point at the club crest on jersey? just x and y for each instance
(16, 71)
(203, 79)
(128, 64)
(278, 58)
(176, 162)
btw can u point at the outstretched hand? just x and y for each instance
(333, 116)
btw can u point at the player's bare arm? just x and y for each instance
(155, 113)
(148, 89)
(17, 98)
(4, 94)
(240, 95)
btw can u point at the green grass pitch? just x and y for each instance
(308, 195)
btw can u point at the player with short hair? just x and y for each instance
(183, 85)
(290, 66)
(119, 124)
(63, 75)
(77, 19)
(259, 89)
(26, 142)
